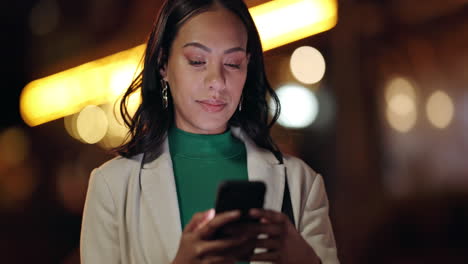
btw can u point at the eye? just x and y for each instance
(231, 65)
(196, 63)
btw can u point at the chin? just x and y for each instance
(213, 127)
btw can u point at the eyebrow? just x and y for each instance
(205, 48)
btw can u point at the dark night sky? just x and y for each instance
(14, 46)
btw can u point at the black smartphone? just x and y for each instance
(240, 195)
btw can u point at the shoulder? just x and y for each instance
(298, 166)
(117, 171)
(119, 164)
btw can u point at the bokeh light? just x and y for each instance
(399, 85)
(401, 123)
(440, 109)
(307, 65)
(117, 131)
(299, 106)
(401, 104)
(121, 78)
(70, 126)
(14, 146)
(283, 21)
(17, 175)
(92, 124)
(65, 93)
(72, 181)
(401, 111)
(116, 123)
(17, 186)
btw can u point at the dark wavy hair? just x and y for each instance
(149, 125)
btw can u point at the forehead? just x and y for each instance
(216, 28)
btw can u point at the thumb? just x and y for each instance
(199, 219)
(208, 215)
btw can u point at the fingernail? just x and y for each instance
(210, 214)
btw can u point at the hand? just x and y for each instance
(283, 243)
(196, 247)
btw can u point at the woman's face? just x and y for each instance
(206, 71)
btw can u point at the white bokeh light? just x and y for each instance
(440, 109)
(91, 124)
(299, 106)
(401, 112)
(307, 65)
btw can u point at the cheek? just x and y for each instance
(181, 92)
(237, 82)
(183, 84)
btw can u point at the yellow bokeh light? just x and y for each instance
(440, 109)
(68, 92)
(117, 131)
(121, 78)
(307, 65)
(102, 81)
(91, 124)
(283, 21)
(134, 101)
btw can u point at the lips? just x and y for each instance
(212, 106)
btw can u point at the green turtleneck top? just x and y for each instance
(200, 163)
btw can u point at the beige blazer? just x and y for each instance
(131, 214)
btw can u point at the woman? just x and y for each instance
(203, 119)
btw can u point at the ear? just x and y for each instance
(162, 60)
(163, 72)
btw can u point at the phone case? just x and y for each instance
(240, 195)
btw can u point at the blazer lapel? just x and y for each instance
(262, 165)
(159, 189)
(273, 177)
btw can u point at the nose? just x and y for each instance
(215, 79)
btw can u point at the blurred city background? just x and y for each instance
(374, 95)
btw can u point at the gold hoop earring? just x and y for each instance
(164, 94)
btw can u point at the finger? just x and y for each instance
(245, 251)
(255, 229)
(212, 247)
(271, 230)
(197, 219)
(219, 220)
(269, 244)
(273, 256)
(218, 260)
(269, 215)
(241, 229)
(247, 244)
(209, 215)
